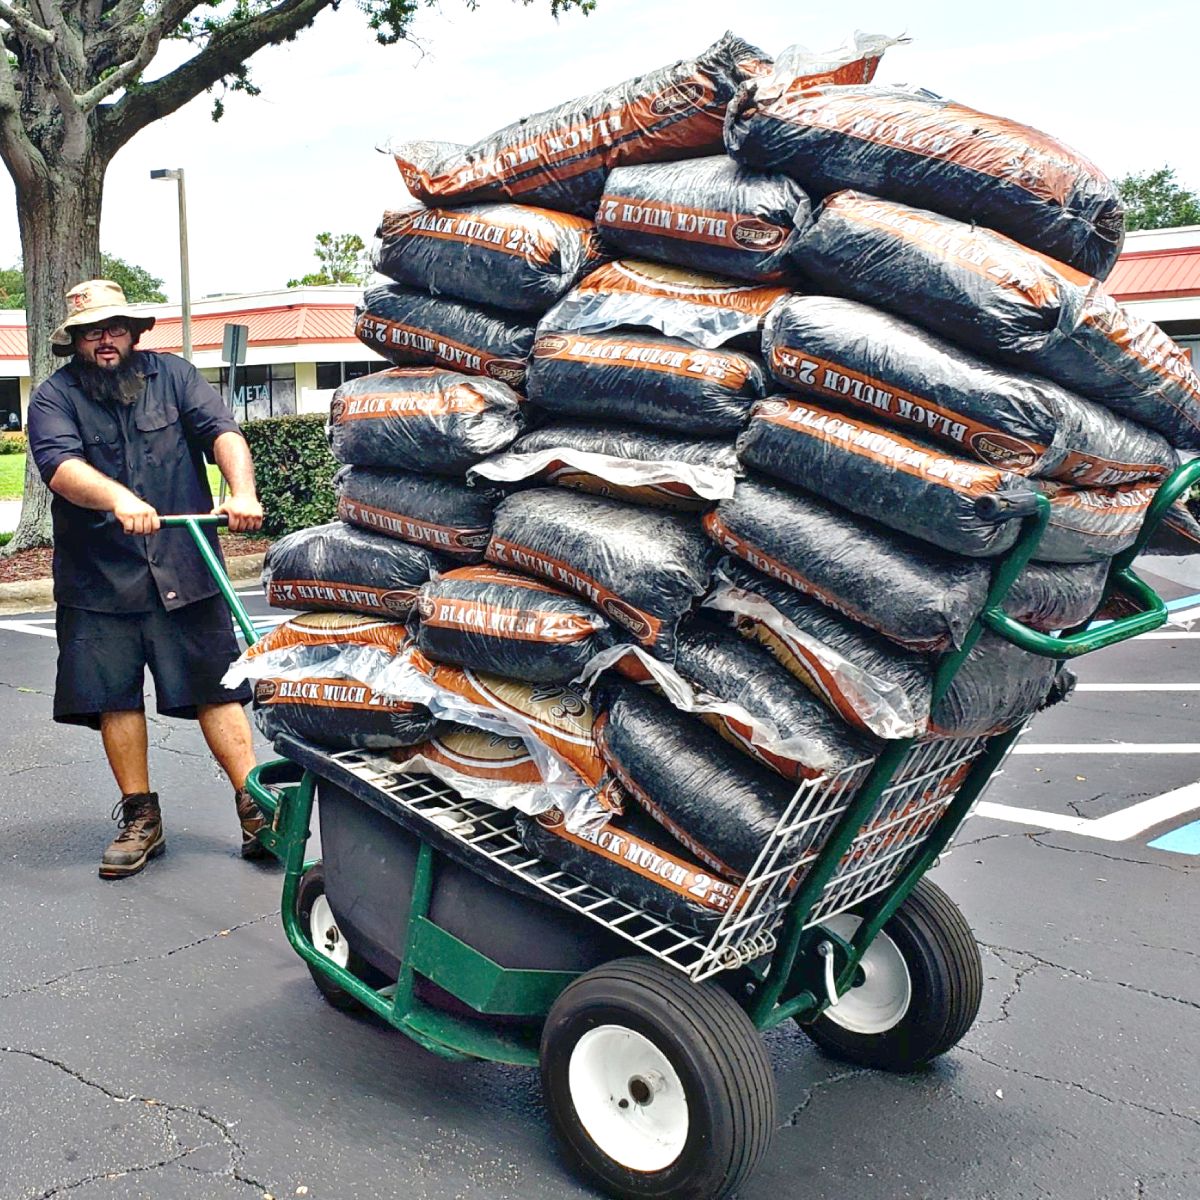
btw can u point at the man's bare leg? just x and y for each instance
(125, 744)
(227, 733)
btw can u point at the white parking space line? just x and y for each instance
(1116, 827)
(37, 627)
(1109, 748)
(1137, 687)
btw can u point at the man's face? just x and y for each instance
(106, 345)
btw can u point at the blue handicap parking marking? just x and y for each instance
(1184, 840)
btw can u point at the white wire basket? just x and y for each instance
(889, 838)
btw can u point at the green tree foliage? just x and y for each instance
(79, 80)
(139, 286)
(342, 258)
(1157, 201)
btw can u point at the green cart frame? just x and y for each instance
(654, 1072)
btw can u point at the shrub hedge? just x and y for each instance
(13, 443)
(294, 470)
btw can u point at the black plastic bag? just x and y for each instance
(507, 256)
(560, 158)
(620, 461)
(427, 510)
(422, 419)
(893, 371)
(407, 326)
(339, 714)
(1177, 534)
(917, 147)
(707, 214)
(717, 802)
(657, 381)
(984, 291)
(508, 624)
(642, 569)
(879, 474)
(634, 860)
(1093, 524)
(338, 567)
(702, 309)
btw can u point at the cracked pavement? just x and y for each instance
(160, 1040)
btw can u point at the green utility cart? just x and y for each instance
(646, 1034)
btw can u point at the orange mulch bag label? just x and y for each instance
(478, 754)
(427, 346)
(708, 226)
(513, 237)
(644, 859)
(313, 593)
(559, 715)
(887, 449)
(637, 277)
(689, 363)
(332, 629)
(446, 538)
(469, 616)
(333, 694)
(675, 496)
(642, 625)
(439, 402)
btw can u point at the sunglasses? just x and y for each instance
(96, 332)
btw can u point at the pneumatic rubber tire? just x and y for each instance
(656, 1086)
(318, 923)
(928, 982)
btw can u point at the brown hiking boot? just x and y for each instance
(141, 837)
(252, 820)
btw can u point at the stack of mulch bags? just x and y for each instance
(710, 370)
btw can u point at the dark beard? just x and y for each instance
(121, 384)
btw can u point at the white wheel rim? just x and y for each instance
(881, 1000)
(628, 1097)
(325, 934)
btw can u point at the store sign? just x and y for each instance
(248, 393)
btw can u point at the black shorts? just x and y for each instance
(102, 659)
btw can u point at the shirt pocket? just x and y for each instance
(160, 432)
(102, 443)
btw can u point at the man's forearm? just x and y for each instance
(82, 484)
(233, 459)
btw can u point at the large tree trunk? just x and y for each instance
(59, 215)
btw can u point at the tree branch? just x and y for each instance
(227, 49)
(20, 20)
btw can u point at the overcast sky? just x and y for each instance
(1115, 80)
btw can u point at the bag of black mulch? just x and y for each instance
(338, 713)
(702, 309)
(408, 326)
(891, 370)
(631, 376)
(422, 419)
(508, 624)
(634, 860)
(427, 510)
(708, 214)
(642, 569)
(982, 290)
(715, 800)
(508, 256)
(871, 682)
(911, 592)
(914, 146)
(336, 566)
(869, 470)
(743, 693)
(1092, 524)
(620, 461)
(1177, 534)
(559, 158)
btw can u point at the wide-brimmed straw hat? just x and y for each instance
(93, 303)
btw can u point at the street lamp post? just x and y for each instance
(184, 282)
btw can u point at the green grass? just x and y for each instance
(12, 476)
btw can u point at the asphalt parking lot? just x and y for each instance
(159, 1039)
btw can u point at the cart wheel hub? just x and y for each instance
(882, 990)
(325, 934)
(628, 1097)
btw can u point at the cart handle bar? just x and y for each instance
(1122, 581)
(192, 523)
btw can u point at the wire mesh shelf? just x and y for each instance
(892, 834)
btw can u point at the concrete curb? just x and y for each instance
(30, 595)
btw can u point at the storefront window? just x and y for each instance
(259, 391)
(332, 374)
(10, 404)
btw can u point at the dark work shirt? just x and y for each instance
(156, 447)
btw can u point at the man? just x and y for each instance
(120, 435)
